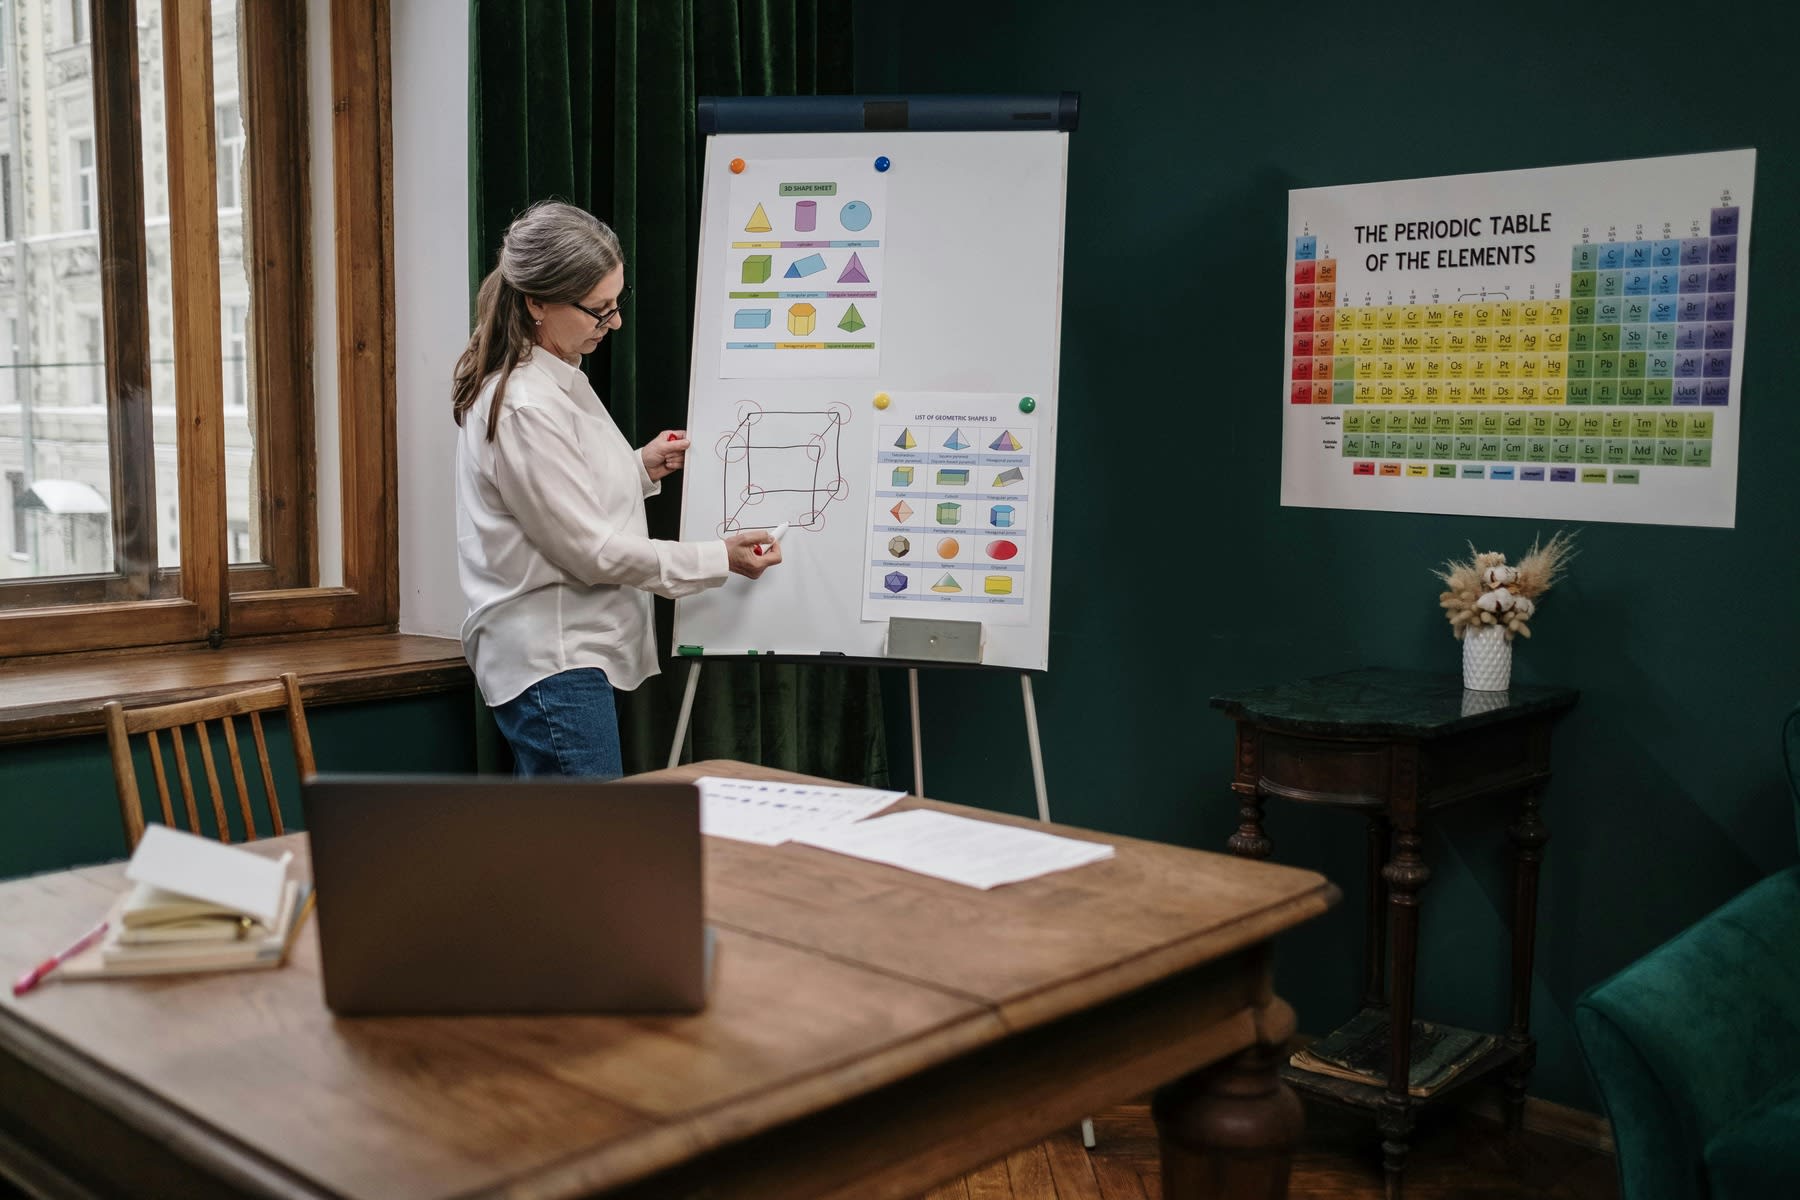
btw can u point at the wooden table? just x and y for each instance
(871, 1033)
(1395, 745)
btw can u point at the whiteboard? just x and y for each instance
(875, 363)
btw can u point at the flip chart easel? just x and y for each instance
(879, 290)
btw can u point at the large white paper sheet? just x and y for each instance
(978, 854)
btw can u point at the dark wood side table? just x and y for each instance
(1395, 745)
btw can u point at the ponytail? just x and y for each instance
(502, 340)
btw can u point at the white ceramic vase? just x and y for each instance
(1487, 659)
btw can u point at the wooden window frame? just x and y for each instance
(206, 600)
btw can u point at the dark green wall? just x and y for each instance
(1177, 572)
(58, 807)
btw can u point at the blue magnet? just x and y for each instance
(882, 164)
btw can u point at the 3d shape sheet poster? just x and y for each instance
(1565, 343)
(804, 273)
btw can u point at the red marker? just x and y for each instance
(35, 976)
(672, 438)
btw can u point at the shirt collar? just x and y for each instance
(564, 373)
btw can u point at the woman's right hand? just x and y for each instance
(741, 548)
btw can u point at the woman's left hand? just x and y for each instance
(665, 453)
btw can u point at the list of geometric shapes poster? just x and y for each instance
(951, 511)
(804, 269)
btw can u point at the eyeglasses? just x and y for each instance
(601, 318)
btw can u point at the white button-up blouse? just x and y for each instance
(552, 543)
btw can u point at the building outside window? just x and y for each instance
(229, 127)
(85, 201)
(15, 487)
(237, 363)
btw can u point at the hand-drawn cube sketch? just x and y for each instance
(782, 465)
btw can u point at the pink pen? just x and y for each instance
(35, 976)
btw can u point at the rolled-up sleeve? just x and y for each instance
(544, 482)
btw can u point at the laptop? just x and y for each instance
(485, 894)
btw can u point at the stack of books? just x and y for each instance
(195, 905)
(1358, 1052)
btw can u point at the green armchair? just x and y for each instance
(1695, 1048)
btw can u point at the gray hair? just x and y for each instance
(552, 252)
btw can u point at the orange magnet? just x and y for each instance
(737, 166)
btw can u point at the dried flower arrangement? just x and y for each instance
(1483, 590)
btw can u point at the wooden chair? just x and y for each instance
(122, 722)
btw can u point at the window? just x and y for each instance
(89, 365)
(237, 379)
(6, 188)
(231, 154)
(9, 355)
(199, 331)
(15, 486)
(84, 198)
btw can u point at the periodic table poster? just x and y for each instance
(1566, 342)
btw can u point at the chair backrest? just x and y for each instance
(122, 723)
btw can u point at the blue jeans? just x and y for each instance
(564, 725)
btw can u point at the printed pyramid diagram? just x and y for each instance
(957, 441)
(947, 584)
(852, 320)
(901, 511)
(905, 440)
(1006, 441)
(759, 222)
(853, 271)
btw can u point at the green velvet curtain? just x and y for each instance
(593, 102)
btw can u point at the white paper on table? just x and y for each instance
(769, 813)
(979, 854)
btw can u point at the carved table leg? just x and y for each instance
(1376, 916)
(1405, 875)
(1229, 1132)
(1249, 841)
(1529, 837)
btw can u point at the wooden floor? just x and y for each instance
(1457, 1156)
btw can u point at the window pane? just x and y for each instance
(57, 496)
(154, 116)
(243, 493)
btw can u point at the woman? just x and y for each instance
(552, 541)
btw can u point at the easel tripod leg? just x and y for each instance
(1037, 766)
(687, 710)
(912, 688)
